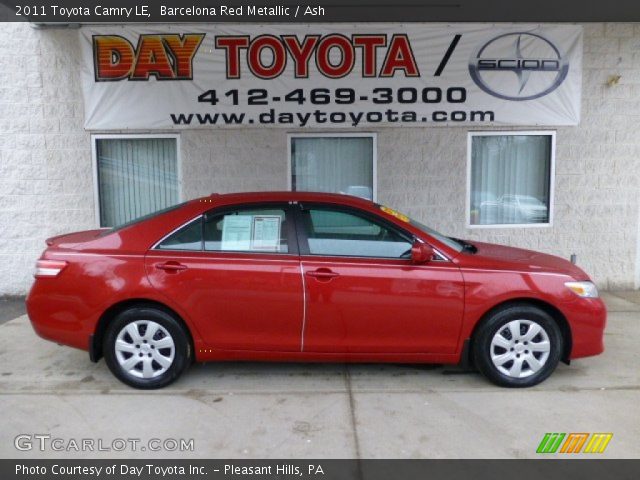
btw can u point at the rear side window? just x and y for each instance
(341, 233)
(247, 230)
(188, 237)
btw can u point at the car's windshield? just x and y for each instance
(448, 241)
(453, 243)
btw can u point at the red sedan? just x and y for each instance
(293, 276)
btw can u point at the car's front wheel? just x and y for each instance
(146, 348)
(518, 346)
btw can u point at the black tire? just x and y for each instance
(180, 352)
(499, 321)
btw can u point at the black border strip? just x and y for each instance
(583, 469)
(339, 11)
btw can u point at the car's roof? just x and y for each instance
(288, 196)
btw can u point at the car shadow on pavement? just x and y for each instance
(11, 307)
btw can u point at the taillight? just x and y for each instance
(49, 268)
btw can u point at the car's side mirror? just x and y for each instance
(421, 252)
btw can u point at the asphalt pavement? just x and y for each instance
(278, 410)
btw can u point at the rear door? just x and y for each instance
(363, 293)
(236, 272)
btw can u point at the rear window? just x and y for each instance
(144, 218)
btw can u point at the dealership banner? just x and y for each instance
(330, 75)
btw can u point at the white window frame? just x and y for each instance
(128, 136)
(552, 174)
(372, 135)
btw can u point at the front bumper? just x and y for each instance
(587, 319)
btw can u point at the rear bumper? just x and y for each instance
(58, 318)
(587, 319)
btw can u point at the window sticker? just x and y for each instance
(395, 213)
(266, 233)
(236, 232)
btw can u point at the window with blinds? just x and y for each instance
(136, 176)
(333, 164)
(511, 179)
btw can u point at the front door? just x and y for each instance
(237, 274)
(363, 293)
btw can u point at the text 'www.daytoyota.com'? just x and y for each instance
(330, 106)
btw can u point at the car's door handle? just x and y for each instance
(323, 274)
(171, 267)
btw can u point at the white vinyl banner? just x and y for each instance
(330, 76)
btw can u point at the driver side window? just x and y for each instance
(342, 233)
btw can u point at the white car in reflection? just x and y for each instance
(361, 191)
(514, 209)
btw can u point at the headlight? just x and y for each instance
(583, 289)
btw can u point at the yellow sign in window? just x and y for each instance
(395, 213)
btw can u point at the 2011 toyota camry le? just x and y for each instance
(293, 276)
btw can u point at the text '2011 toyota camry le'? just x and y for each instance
(293, 276)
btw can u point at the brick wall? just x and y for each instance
(46, 184)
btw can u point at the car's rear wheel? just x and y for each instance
(146, 348)
(518, 346)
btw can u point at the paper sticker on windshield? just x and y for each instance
(395, 213)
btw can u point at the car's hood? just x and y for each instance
(500, 257)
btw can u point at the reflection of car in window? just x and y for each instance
(361, 191)
(480, 197)
(514, 209)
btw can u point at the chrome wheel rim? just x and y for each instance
(144, 349)
(520, 348)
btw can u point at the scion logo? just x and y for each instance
(518, 66)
